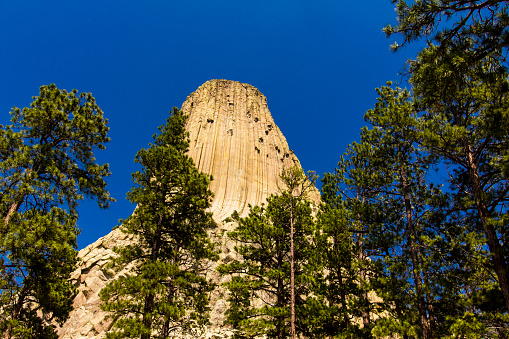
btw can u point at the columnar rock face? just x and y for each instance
(234, 138)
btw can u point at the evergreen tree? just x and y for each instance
(337, 297)
(460, 85)
(296, 186)
(165, 288)
(431, 269)
(350, 216)
(47, 166)
(478, 28)
(394, 123)
(381, 201)
(465, 119)
(356, 174)
(260, 290)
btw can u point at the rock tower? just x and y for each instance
(234, 138)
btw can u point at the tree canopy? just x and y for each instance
(47, 167)
(164, 288)
(479, 27)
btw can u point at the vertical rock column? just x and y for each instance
(234, 138)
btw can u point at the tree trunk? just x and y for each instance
(421, 304)
(14, 208)
(17, 203)
(362, 272)
(339, 273)
(147, 320)
(497, 256)
(17, 309)
(292, 272)
(280, 325)
(166, 328)
(150, 298)
(429, 305)
(365, 309)
(21, 299)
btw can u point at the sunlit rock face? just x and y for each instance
(233, 137)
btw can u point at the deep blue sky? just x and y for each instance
(318, 62)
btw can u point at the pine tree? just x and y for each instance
(464, 116)
(385, 206)
(479, 28)
(260, 290)
(335, 290)
(164, 289)
(347, 218)
(460, 84)
(296, 184)
(421, 239)
(47, 166)
(392, 137)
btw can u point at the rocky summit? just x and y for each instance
(233, 137)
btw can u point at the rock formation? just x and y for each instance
(234, 138)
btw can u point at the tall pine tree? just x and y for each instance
(47, 167)
(465, 119)
(460, 85)
(336, 303)
(273, 242)
(164, 289)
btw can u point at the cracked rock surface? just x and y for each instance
(234, 138)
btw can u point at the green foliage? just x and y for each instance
(429, 262)
(464, 123)
(481, 27)
(164, 288)
(404, 210)
(336, 301)
(460, 92)
(260, 286)
(47, 166)
(450, 256)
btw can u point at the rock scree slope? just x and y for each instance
(233, 137)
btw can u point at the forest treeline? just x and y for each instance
(409, 240)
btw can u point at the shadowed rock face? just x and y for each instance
(234, 138)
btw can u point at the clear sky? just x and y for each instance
(317, 62)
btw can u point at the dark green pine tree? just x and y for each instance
(296, 186)
(335, 290)
(260, 290)
(479, 28)
(460, 84)
(47, 166)
(434, 268)
(346, 221)
(398, 161)
(464, 113)
(380, 206)
(164, 289)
